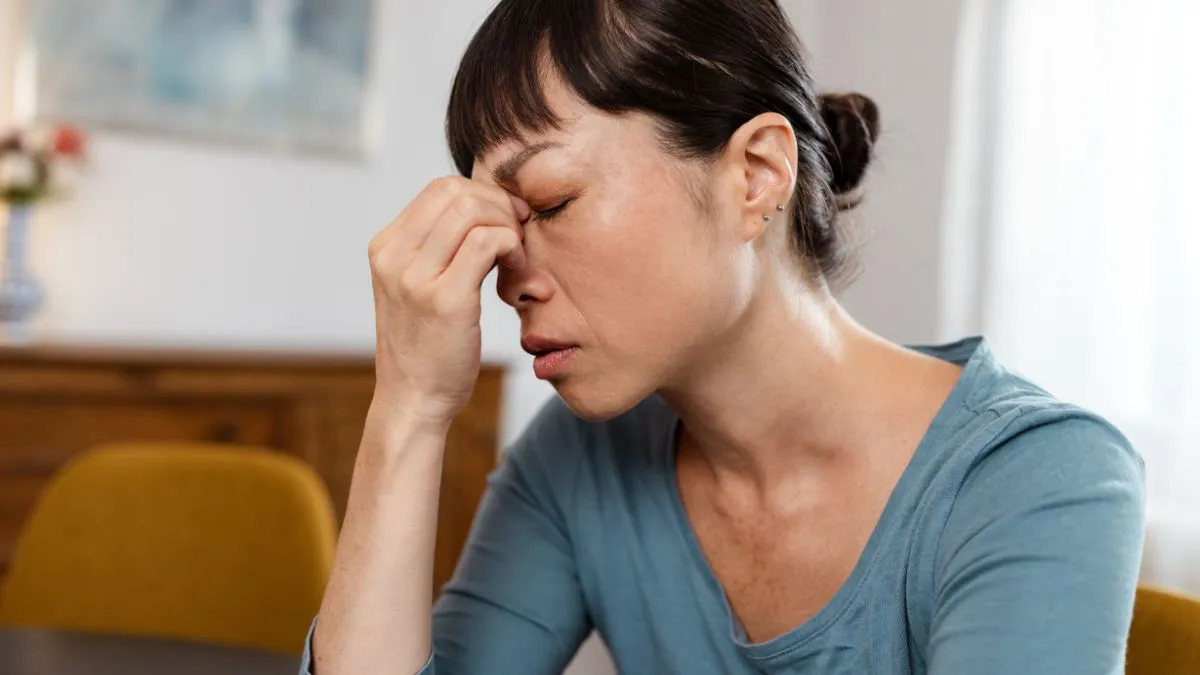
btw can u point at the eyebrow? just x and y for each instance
(506, 173)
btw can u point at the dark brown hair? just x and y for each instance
(701, 68)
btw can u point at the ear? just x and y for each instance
(762, 157)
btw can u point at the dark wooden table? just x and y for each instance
(47, 652)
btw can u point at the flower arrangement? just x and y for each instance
(39, 161)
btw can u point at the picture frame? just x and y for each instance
(285, 75)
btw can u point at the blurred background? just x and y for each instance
(198, 275)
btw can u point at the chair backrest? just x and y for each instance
(1165, 636)
(207, 542)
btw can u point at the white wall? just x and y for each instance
(806, 16)
(901, 54)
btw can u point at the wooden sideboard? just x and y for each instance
(57, 400)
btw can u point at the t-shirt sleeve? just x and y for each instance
(514, 604)
(306, 659)
(1038, 561)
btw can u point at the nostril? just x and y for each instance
(525, 298)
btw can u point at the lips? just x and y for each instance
(551, 356)
(537, 345)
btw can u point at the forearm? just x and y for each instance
(375, 617)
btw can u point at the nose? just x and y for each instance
(524, 288)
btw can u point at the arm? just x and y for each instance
(514, 605)
(375, 613)
(427, 267)
(1038, 561)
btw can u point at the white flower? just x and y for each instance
(17, 171)
(37, 140)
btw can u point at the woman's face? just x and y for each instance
(624, 261)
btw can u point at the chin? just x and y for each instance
(595, 400)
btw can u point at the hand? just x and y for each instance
(427, 267)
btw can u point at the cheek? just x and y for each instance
(640, 269)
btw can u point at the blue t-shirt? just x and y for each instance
(1010, 545)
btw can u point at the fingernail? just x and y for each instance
(523, 210)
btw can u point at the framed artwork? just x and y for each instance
(281, 74)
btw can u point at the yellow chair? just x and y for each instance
(1165, 636)
(213, 543)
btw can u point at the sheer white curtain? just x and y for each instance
(1088, 248)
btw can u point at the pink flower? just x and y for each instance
(69, 142)
(39, 161)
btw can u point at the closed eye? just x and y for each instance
(550, 213)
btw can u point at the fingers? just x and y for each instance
(466, 212)
(412, 228)
(479, 251)
(438, 228)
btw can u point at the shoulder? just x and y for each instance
(1008, 453)
(1047, 452)
(1039, 441)
(1038, 464)
(1003, 424)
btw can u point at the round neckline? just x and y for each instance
(968, 354)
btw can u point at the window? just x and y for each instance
(1078, 185)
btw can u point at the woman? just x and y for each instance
(738, 477)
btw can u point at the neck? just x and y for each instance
(797, 386)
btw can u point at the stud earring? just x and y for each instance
(766, 217)
(779, 207)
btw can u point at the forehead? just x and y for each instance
(588, 137)
(573, 114)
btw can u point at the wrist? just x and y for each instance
(396, 417)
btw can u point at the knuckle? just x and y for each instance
(378, 258)
(469, 205)
(421, 297)
(503, 240)
(375, 249)
(380, 238)
(411, 286)
(478, 239)
(445, 185)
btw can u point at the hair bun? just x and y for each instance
(853, 123)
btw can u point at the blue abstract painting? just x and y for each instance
(287, 74)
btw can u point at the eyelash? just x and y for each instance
(550, 213)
